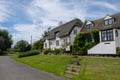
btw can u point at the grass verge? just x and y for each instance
(99, 69)
(91, 68)
(52, 64)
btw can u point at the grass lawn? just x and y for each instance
(99, 69)
(52, 64)
(91, 68)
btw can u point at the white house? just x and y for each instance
(109, 34)
(63, 35)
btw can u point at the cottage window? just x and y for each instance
(89, 26)
(45, 45)
(57, 42)
(108, 22)
(50, 43)
(107, 35)
(75, 32)
(65, 41)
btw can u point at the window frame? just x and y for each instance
(45, 45)
(109, 21)
(107, 35)
(89, 26)
(57, 42)
(65, 41)
(75, 31)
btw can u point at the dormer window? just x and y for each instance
(108, 20)
(89, 25)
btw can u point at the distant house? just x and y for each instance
(63, 35)
(109, 34)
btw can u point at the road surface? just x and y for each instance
(12, 70)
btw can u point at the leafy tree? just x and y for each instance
(38, 45)
(22, 46)
(5, 40)
(46, 32)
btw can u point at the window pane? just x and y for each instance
(65, 40)
(45, 45)
(75, 31)
(107, 35)
(106, 22)
(57, 43)
(110, 21)
(89, 26)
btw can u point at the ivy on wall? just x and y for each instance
(81, 45)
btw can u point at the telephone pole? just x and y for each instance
(31, 43)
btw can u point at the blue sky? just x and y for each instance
(23, 18)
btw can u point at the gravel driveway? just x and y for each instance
(12, 70)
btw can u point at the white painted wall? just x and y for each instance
(117, 38)
(103, 48)
(72, 35)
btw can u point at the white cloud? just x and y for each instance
(54, 11)
(106, 4)
(1, 27)
(4, 10)
(51, 12)
(25, 31)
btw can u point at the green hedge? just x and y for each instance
(29, 53)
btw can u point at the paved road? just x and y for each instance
(12, 70)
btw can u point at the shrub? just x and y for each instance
(57, 51)
(95, 36)
(118, 50)
(87, 46)
(47, 51)
(79, 42)
(30, 53)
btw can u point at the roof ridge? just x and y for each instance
(67, 23)
(104, 16)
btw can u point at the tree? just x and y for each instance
(22, 46)
(38, 45)
(5, 40)
(46, 32)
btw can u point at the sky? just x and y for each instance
(26, 18)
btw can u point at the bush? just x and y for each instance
(79, 42)
(4, 53)
(118, 50)
(57, 51)
(30, 53)
(47, 51)
(88, 46)
(54, 52)
(95, 36)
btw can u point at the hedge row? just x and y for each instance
(29, 53)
